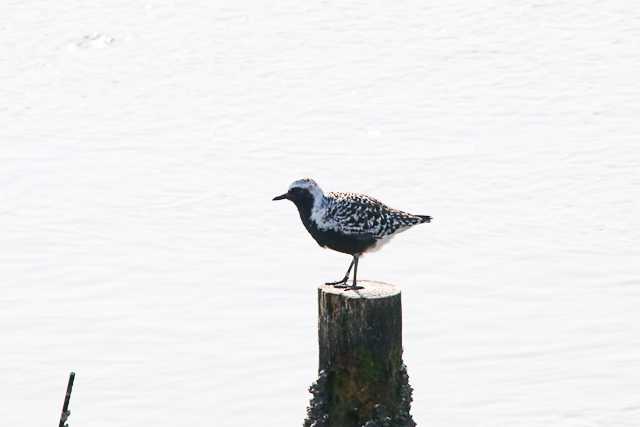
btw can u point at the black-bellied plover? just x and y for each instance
(347, 222)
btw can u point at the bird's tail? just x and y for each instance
(424, 218)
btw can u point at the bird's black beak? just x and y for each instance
(282, 196)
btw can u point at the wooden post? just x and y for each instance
(362, 379)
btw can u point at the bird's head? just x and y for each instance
(302, 190)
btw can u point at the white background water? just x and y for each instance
(140, 147)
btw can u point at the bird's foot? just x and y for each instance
(65, 416)
(340, 283)
(352, 287)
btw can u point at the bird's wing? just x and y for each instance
(358, 214)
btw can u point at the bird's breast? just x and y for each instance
(335, 239)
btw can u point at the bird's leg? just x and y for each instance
(354, 286)
(343, 282)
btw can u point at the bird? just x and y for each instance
(349, 223)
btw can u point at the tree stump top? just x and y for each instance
(372, 290)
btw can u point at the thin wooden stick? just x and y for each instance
(65, 408)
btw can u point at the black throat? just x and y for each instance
(304, 203)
